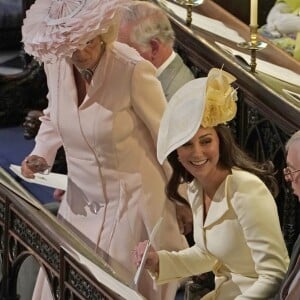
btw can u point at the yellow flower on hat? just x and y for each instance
(221, 97)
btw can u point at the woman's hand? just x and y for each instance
(58, 194)
(33, 164)
(184, 218)
(152, 259)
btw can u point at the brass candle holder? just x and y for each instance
(254, 45)
(189, 4)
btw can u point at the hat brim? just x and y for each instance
(182, 117)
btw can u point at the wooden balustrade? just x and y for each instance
(29, 231)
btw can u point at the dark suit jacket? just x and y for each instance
(291, 272)
(175, 76)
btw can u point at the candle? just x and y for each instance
(253, 13)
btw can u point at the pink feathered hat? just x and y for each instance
(54, 29)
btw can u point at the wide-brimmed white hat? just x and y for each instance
(206, 101)
(56, 28)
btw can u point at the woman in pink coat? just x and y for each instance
(105, 105)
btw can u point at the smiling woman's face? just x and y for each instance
(89, 56)
(200, 155)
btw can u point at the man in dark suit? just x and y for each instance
(146, 27)
(290, 289)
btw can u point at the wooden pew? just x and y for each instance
(30, 230)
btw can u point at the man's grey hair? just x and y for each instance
(295, 137)
(148, 21)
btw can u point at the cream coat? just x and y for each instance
(116, 186)
(240, 240)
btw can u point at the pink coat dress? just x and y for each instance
(116, 186)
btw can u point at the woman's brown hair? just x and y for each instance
(231, 155)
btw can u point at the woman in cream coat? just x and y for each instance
(107, 122)
(236, 226)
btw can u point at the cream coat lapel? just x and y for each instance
(219, 205)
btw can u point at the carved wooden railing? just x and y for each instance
(28, 231)
(266, 116)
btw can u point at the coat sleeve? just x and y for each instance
(48, 139)
(256, 212)
(176, 265)
(148, 100)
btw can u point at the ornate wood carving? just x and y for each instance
(26, 231)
